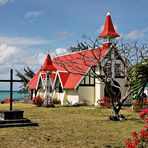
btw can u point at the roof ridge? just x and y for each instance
(76, 52)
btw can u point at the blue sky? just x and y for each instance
(31, 28)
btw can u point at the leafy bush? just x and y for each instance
(139, 140)
(56, 101)
(105, 102)
(38, 101)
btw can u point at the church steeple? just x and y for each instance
(48, 65)
(108, 31)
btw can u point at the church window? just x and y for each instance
(58, 87)
(107, 69)
(89, 80)
(117, 70)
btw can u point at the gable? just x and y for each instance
(88, 79)
(58, 85)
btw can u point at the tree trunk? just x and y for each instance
(115, 113)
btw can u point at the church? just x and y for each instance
(69, 78)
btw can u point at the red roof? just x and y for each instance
(77, 63)
(48, 66)
(43, 76)
(64, 76)
(52, 76)
(34, 81)
(108, 30)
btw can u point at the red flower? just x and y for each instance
(134, 134)
(105, 102)
(38, 101)
(136, 141)
(146, 119)
(143, 113)
(143, 134)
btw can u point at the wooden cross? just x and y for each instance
(11, 86)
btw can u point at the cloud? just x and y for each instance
(63, 33)
(15, 53)
(12, 56)
(60, 51)
(6, 52)
(137, 34)
(20, 41)
(32, 14)
(3, 2)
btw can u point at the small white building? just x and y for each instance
(72, 87)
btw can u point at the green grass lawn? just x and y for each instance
(67, 127)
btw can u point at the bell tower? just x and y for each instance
(109, 32)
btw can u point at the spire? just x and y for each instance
(108, 30)
(48, 65)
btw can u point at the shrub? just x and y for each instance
(38, 101)
(139, 140)
(105, 102)
(56, 101)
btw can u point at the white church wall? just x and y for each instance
(59, 96)
(71, 97)
(86, 94)
(99, 91)
(99, 88)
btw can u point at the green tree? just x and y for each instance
(139, 79)
(25, 77)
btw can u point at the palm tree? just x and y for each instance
(26, 76)
(139, 79)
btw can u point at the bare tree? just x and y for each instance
(90, 54)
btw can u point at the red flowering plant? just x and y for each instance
(105, 102)
(38, 101)
(138, 105)
(140, 140)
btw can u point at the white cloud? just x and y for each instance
(32, 14)
(11, 56)
(137, 34)
(15, 53)
(3, 2)
(20, 41)
(60, 51)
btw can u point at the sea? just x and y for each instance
(6, 94)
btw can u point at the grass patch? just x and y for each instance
(69, 127)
